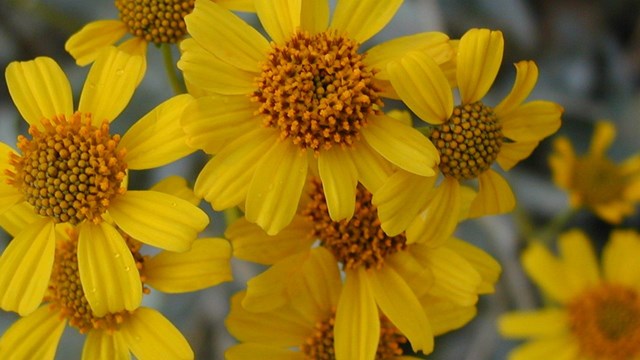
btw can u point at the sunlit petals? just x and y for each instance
(526, 78)
(413, 271)
(35, 336)
(238, 5)
(17, 217)
(437, 221)
(86, 44)
(547, 272)
(104, 346)
(319, 286)
(513, 152)
(314, 16)
(479, 58)
(39, 89)
(557, 348)
(532, 121)
(445, 316)
(373, 169)
(488, 268)
(361, 19)
(619, 258)
(339, 179)
(549, 322)
(562, 162)
(9, 196)
(580, 259)
(280, 18)
(603, 136)
(494, 196)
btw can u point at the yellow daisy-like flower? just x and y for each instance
(593, 180)
(471, 136)
(72, 171)
(148, 21)
(597, 315)
(306, 328)
(308, 99)
(382, 272)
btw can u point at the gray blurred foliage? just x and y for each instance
(588, 53)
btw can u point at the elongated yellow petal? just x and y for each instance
(274, 193)
(17, 217)
(526, 78)
(445, 316)
(479, 59)
(157, 139)
(548, 323)
(100, 345)
(618, 258)
(488, 268)
(413, 271)
(439, 219)
(557, 348)
(158, 219)
(579, 258)
(339, 180)
(401, 145)
(532, 121)
(177, 186)
(258, 350)
(86, 44)
(357, 326)
(238, 5)
(280, 18)
(39, 89)
(25, 267)
(422, 86)
(227, 36)
(9, 197)
(373, 169)
(513, 152)
(314, 15)
(562, 162)
(149, 335)
(33, 337)
(361, 19)
(603, 136)
(547, 272)
(110, 84)
(108, 272)
(206, 264)
(494, 196)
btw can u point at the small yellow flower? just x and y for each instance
(593, 180)
(596, 310)
(309, 99)
(72, 171)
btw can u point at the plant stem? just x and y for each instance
(170, 68)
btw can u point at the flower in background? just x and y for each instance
(72, 171)
(595, 312)
(309, 99)
(593, 180)
(306, 328)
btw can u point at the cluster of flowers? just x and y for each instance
(352, 207)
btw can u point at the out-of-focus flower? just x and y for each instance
(595, 312)
(593, 180)
(308, 99)
(72, 172)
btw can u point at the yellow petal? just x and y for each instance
(512, 153)
(479, 59)
(157, 139)
(238, 5)
(9, 196)
(603, 136)
(17, 217)
(158, 219)
(108, 272)
(422, 86)
(401, 145)
(619, 258)
(25, 267)
(39, 89)
(445, 316)
(177, 186)
(557, 348)
(494, 196)
(547, 323)
(149, 335)
(33, 337)
(400, 305)
(251, 243)
(579, 258)
(206, 264)
(100, 345)
(110, 84)
(204, 70)
(339, 180)
(314, 15)
(413, 271)
(357, 325)
(280, 18)
(532, 121)
(547, 272)
(488, 268)
(373, 169)
(526, 78)
(274, 192)
(227, 36)
(261, 351)
(562, 162)
(225, 179)
(439, 219)
(86, 44)
(136, 46)
(319, 286)
(361, 19)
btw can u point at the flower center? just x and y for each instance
(157, 21)
(598, 180)
(71, 170)
(319, 346)
(65, 289)
(606, 322)
(469, 142)
(359, 241)
(316, 90)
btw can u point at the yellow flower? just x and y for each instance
(308, 99)
(155, 21)
(593, 180)
(72, 171)
(597, 315)
(375, 265)
(471, 136)
(306, 328)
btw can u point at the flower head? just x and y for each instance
(593, 180)
(596, 309)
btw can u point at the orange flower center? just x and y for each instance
(606, 322)
(469, 142)
(359, 241)
(157, 21)
(598, 180)
(70, 170)
(316, 90)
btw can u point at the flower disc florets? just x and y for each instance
(157, 21)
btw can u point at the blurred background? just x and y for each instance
(588, 53)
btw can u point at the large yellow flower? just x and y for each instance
(593, 181)
(308, 99)
(382, 272)
(306, 327)
(471, 136)
(596, 310)
(72, 171)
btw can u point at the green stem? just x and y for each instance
(170, 68)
